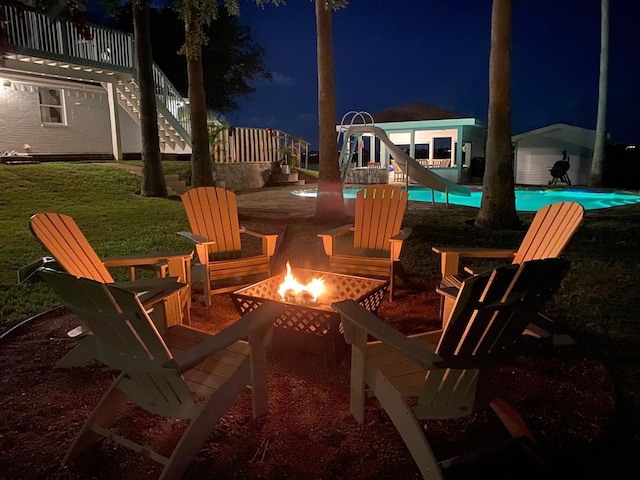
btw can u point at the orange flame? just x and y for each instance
(293, 287)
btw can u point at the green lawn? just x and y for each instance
(599, 304)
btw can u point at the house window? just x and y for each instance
(51, 105)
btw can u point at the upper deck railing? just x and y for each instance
(33, 33)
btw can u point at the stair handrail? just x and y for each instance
(175, 104)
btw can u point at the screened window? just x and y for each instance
(51, 105)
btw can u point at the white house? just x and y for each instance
(64, 93)
(536, 152)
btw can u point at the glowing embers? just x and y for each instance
(291, 290)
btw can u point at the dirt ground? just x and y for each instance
(564, 394)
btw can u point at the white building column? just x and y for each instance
(114, 120)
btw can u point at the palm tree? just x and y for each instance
(595, 179)
(153, 184)
(330, 201)
(498, 206)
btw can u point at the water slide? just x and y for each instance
(411, 168)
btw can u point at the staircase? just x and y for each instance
(170, 138)
(175, 184)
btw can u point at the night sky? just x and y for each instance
(393, 53)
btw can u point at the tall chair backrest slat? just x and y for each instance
(60, 235)
(379, 212)
(550, 231)
(126, 340)
(213, 214)
(493, 310)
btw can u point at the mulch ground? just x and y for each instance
(564, 394)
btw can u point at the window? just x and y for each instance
(51, 105)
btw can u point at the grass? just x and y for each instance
(598, 304)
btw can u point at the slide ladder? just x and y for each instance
(350, 142)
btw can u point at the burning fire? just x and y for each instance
(292, 290)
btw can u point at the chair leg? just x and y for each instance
(511, 419)
(202, 425)
(108, 406)
(409, 429)
(80, 355)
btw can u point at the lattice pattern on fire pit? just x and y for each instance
(317, 318)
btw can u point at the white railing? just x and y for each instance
(30, 32)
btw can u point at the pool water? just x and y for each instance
(527, 200)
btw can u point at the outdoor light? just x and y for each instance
(6, 83)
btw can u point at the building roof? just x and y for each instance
(562, 131)
(415, 112)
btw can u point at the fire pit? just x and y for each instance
(303, 314)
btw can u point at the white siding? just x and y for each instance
(536, 155)
(87, 129)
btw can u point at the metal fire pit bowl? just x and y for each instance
(313, 318)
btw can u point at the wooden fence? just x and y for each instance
(253, 145)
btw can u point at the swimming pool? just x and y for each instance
(527, 200)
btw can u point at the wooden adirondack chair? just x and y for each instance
(446, 374)
(169, 297)
(167, 375)
(215, 229)
(377, 235)
(547, 236)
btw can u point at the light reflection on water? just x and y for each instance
(527, 200)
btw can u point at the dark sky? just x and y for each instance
(391, 53)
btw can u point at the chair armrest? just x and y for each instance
(260, 318)
(396, 243)
(327, 237)
(351, 312)
(202, 245)
(151, 290)
(159, 261)
(450, 257)
(268, 241)
(195, 238)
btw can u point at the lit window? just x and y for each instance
(51, 105)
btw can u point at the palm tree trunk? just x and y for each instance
(201, 167)
(498, 206)
(595, 178)
(153, 184)
(330, 202)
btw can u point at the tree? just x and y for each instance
(231, 58)
(498, 205)
(595, 179)
(330, 201)
(153, 184)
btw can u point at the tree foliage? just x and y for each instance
(230, 57)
